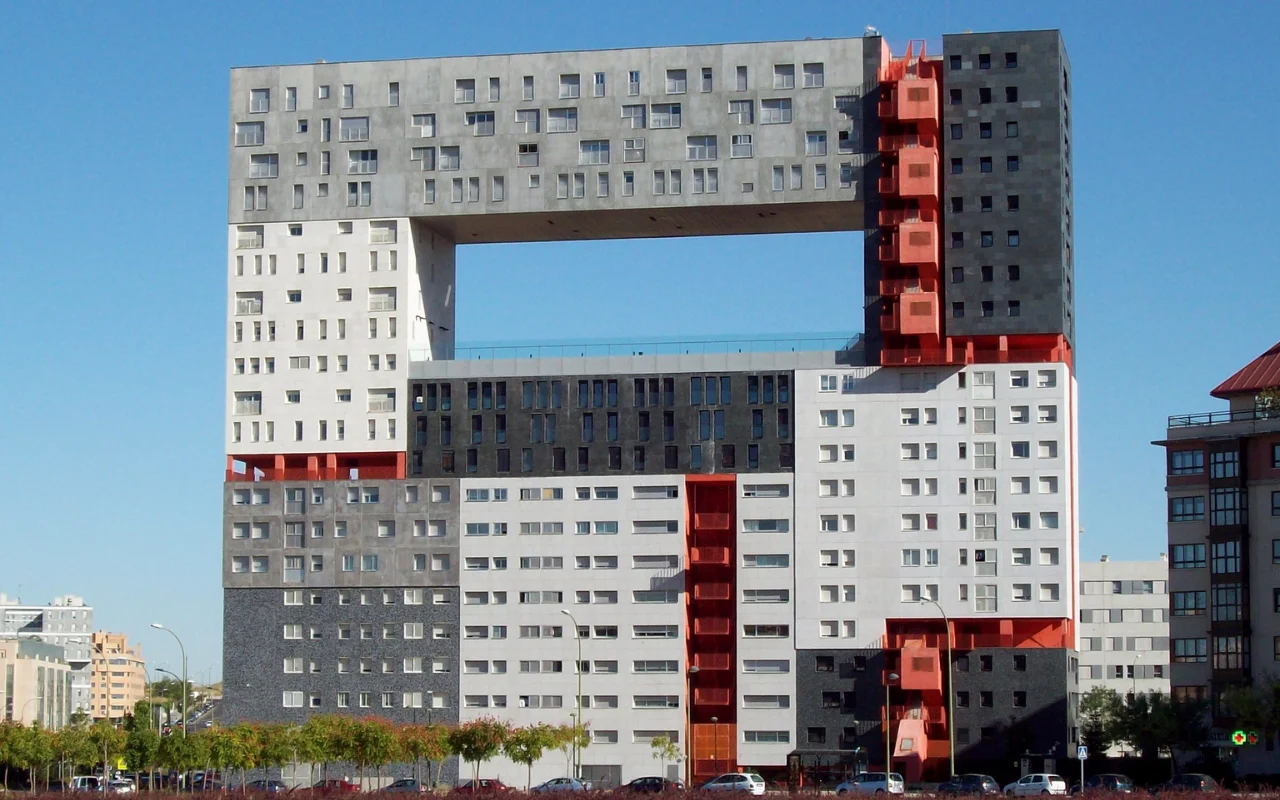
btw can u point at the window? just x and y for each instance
(665, 115)
(815, 143)
(593, 151)
(562, 120)
(701, 148)
(676, 81)
(1186, 462)
(249, 134)
(1186, 509)
(570, 86)
(1188, 556)
(814, 77)
(775, 112)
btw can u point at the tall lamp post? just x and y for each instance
(715, 745)
(185, 689)
(888, 724)
(951, 689)
(577, 725)
(688, 725)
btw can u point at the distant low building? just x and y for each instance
(119, 676)
(66, 621)
(35, 683)
(1124, 626)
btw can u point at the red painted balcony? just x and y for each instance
(917, 172)
(713, 661)
(912, 243)
(893, 217)
(709, 556)
(712, 591)
(712, 697)
(711, 522)
(929, 714)
(914, 314)
(917, 101)
(712, 626)
(907, 286)
(906, 141)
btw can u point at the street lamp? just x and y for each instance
(185, 690)
(688, 724)
(22, 712)
(888, 742)
(715, 745)
(577, 725)
(951, 689)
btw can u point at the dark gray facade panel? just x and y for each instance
(1041, 183)
(840, 701)
(405, 558)
(254, 653)
(431, 451)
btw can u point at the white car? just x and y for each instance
(736, 782)
(872, 783)
(1036, 783)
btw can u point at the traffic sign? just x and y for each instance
(1082, 752)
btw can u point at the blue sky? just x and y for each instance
(112, 251)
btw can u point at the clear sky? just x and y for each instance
(113, 262)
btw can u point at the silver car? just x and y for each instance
(736, 782)
(873, 783)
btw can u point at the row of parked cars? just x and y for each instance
(1039, 783)
(747, 782)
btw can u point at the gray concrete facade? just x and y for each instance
(301, 109)
(1035, 128)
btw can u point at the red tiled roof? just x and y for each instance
(1261, 373)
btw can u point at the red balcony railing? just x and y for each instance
(890, 217)
(713, 697)
(711, 522)
(712, 626)
(712, 591)
(709, 556)
(713, 661)
(902, 141)
(907, 286)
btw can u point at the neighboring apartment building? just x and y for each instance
(35, 683)
(750, 545)
(1223, 489)
(119, 676)
(66, 622)
(1124, 626)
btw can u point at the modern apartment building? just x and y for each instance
(119, 676)
(1124, 626)
(35, 683)
(1223, 486)
(752, 550)
(66, 622)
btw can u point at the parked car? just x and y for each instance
(263, 785)
(406, 785)
(121, 787)
(1106, 783)
(651, 785)
(561, 785)
(969, 784)
(85, 783)
(873, 783)
(736, 782)
(482, 786)
(335, 785)
(1189, 782)
(1036, 783)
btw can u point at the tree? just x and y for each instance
(1100, 712)
(526, 746)
(1257, 706)
(1151, 722)
(142, 749)
(374, 744)
(10, 732)
(223, 750)
(665, 750)
(572, 738)
(141, 716)
(184, 753)
(478, 741)
(278, 745)
(430, 742)
(108, 742)
(73, 749)
(33, 749)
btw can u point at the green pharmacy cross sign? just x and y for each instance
(1242, 738)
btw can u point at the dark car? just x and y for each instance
(482, 786)
(1106, 783)
(263, 785)
(652, 785)
(406, 785)
(970, 784)
(335, 786)
(1190, 782)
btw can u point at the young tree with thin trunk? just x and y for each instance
(526, 746)
(478, 741)
(665, 750)
(430, 742)
(108, 742)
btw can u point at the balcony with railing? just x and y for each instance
(904, 141)
(709, 556)
(712, 626)
(713, 697)
(889, 288)
(708, 521)
(893, 217)
(718, 662)
(712, 591)
(1266, 415)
